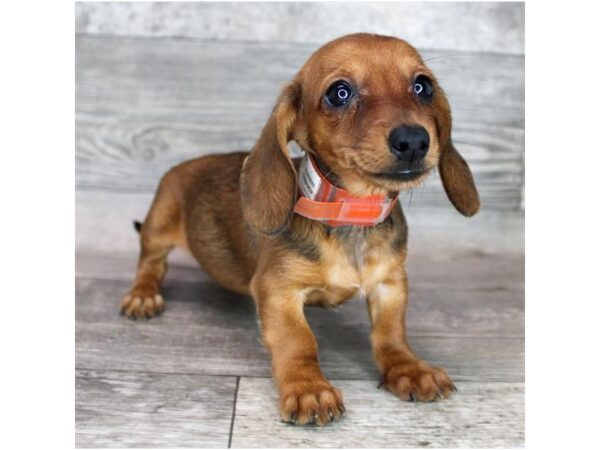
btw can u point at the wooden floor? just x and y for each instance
(199, 377)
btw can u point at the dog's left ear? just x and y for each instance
(458, 181)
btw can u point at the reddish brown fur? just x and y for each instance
(234, 214)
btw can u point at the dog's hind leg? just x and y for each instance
(160, 232)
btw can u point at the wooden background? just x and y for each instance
(158, 83)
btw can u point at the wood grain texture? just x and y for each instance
(479, 415)
(143, 105)
(124, 410)
(477, 26)
(474, 331)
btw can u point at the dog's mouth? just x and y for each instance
(405, 175)
(402, 173)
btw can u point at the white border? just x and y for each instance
(37, 186)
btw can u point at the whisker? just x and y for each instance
(464, 142)
(444, 57)
(331, 170)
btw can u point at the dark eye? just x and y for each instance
(423, 87)
(339, 93)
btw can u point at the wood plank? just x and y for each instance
(119, 409)
(200, 82)
(479, 415)
(475, 334)
(104, 224)
(143, 105)
(498, 27)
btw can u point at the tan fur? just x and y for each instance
(234, 214)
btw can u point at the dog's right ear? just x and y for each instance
(268, 179)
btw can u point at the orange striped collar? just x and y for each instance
(321, 200)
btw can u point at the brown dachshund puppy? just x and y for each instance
(372, 121)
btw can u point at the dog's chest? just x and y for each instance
(351, 265)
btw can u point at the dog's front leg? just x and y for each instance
(403, 373)
(305, 395)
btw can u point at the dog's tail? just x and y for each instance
(137, 225)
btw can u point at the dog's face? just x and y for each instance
(373, 113)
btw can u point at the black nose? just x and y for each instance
(409, 142)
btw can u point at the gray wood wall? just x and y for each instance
(157, 83)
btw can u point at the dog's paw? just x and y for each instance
(310, 403)
(142, 305)
(418, 381)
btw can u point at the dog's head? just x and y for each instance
(372, 113)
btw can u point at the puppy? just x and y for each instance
(372, 121)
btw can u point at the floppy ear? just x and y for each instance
(458, 181)
(268, 179)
